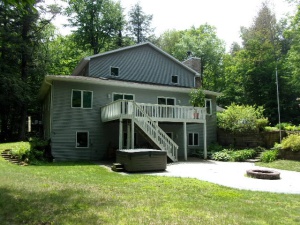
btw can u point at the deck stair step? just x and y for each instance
(117, 167)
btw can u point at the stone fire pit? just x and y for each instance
(263, 174)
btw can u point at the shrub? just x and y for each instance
(291, 142)
(267, 128)
(282, 126)
(223, 155)
(21, 150)
(197, 98)
(214, 147)
(234, 155)
(243, 155)
(269, 156)
(241, 119)
(31, 153)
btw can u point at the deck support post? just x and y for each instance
(132, 134)
(205, 140)
(120, 134)
(185, 141)
(128, 141)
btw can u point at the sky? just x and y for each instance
(226, 15)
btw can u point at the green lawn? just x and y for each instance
(282, 164)
(84, 193)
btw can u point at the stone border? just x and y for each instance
(263, 174)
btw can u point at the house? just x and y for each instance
(132, 97)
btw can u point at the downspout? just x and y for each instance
(50, 114)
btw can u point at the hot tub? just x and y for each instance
(135, 160)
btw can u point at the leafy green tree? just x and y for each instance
(63, 54)
(139, 24)
(204, 43)
(293, 60)
(98, 23)
(168, 40)
(242, 118)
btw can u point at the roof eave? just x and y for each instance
(90, 80)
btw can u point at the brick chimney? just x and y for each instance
(195, 64)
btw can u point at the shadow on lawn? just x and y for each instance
(50, 206)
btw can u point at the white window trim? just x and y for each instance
(166, 99)
(206, 100)
(116, 68)
(172, 79)
(81, 107)
(193, 138)
(116, 93)
(88, 139)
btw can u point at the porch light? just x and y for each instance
(108, 96)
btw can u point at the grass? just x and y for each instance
(282, 164)
(85, 193)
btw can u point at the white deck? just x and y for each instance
(124, 109)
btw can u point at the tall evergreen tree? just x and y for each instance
(20, 35)
(139, 24)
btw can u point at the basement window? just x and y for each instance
(82, 139)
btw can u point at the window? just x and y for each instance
(118, 96)
(82, 139)
(82, 99)
(208, 106)
(114, 71)
(193, 139)
(175, 79)
(166, 101)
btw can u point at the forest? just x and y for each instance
(264, 66)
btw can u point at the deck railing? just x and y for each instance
(154, 132)
(123, 108)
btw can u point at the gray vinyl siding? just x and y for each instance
(211, 123)
(66, 121)
(142, 64)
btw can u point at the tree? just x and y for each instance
(99, 23)
(204, 44)
(139, 24)
(20, 35)
(250, 70)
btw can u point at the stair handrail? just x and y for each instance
(138, 113)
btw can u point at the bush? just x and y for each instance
(267, 128)
(234, 155)
(269, 156)
(241, 119)
(243, 155)
(214, 147)
(291, 142)
(31, 153)
(223, 155)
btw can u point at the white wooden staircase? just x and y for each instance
(154, 132)
(125, 109)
